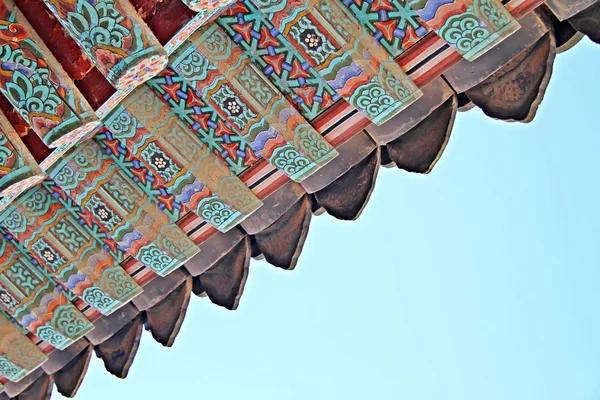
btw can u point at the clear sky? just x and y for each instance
(478, 281)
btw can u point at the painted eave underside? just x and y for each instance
(508, 83)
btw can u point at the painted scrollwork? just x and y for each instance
(114, 37)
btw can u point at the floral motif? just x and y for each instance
(99, 24)
(7, 299)
(314, 42)
(43, 97)
(233, 106)
(281, 62)
(35, 96)
(239, 113)
(103, 213)
(48, 255)
(311, 39)
(160, 162)
(121, 48)
(345, 54)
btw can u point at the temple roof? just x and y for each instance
(150, 150)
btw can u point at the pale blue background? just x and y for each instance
(478, 281)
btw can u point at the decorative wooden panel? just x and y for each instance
(285, 66)
(18, 355)
(36, 85)
(114, 37)
(203, 119)
(62, 240)
(16, 162)
(208, 9)
(471, 27)
(223, 74)
(392, 23)
(342, 51)
(175, 154)
(35, 301)
(131, 217)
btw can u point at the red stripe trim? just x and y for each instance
(340, 134)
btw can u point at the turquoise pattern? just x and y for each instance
(108, 210)
(113, 37)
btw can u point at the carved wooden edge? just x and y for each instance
(434, 94)
(41, 389)
(421, 148)
(281, 243)
(165, 318)
(347, 196)
(119, 351)
(159, 288)
(13, 389)
(350, 152)
(69, 379)
(224, 282)
(197, 288)
(515, 92)
(588, 22)
(359, 163)
(466, 75)
(109, 325)
(60, 358)
(386, 152)
(385, 160)
(566, 36)
(255, 251)
(464, 102)
(565, 9)
(569, 44)
(274, 206)
(212, 250)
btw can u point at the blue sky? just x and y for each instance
(477, 281)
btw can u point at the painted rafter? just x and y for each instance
(416, 147)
